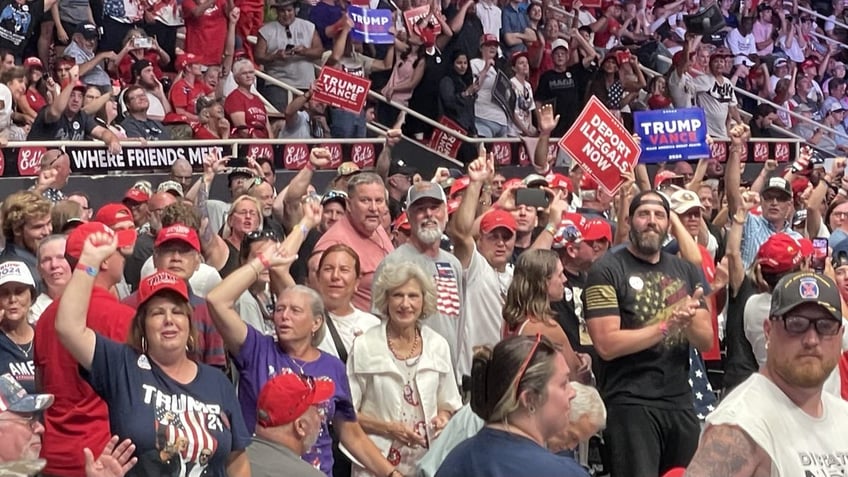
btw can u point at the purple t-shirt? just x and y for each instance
(260, 358)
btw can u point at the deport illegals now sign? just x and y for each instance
(342, 90)
(672, 134)
(601, 145)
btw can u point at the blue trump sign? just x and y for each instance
(371, 26)
(669, 135)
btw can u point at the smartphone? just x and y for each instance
(819, 254)
(531, 198)
(622, 56)
(142, 43)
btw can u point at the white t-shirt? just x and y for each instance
(485, 292)
(349, 327)
(486, 107)
(297, 71)
(5, 109)
(681, 89)
(797, 444)
(741, 45)
(716, 99)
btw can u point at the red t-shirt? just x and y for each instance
(206, 34)
(125, 66)
(78, 417)
(843, 374)
(184, 95)
(200, 132)
(709, 269)
(603, 36)
(255, 115)
(35, 100)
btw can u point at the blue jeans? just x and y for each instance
(486, 128)
(344, 124)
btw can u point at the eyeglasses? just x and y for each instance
(839, 215)
(258, 235)
(526, 363)
(798, 325)
(32, 421)
(246, 213)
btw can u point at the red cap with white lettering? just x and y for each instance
(161, 282)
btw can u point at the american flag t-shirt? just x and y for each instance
(447, 290)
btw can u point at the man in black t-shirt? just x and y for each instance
(18, 20)
(643, 309)
(562, 85)
(64, 120)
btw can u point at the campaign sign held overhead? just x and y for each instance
(601, 145)
(340, 89)
(371, 26)
(672, 134)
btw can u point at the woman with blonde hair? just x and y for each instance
(299, 327)
(243, 218)
(401, 377)
(538, 280)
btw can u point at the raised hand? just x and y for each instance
(393, 136)
(739, 134)
(770, 165)
(547, 120)
(46, 178)
(213, 163)
(274, 253)
(312, 212)
(478, 170)
(98, 247)
(320, 157)
(115, 461)
(235, 13)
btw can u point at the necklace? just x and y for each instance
(26, 351)
(411, 353)
(298, 365)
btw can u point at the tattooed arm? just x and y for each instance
(728, 451)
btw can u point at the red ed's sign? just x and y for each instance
(342, 90)
(601, 145)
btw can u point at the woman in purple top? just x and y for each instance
(298, 322)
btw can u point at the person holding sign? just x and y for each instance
(348, 58)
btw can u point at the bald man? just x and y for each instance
(181, 173)
(144, 244)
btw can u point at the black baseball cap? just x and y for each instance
(138, 67)
(806, 287)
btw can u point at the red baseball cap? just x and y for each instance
(78, 236)
(514, 182)
(136, 195)
(597, 228)
(799, 185)
(665, 175)
(179, 232)
(184, 60)
(287, 396)
(781, 253)
(587, 183)
(497, 218)
(33, 62)
(488, 39)
(560, 181)
(154, 284)
(459, 185)
(675, 472)
(113, 214)
(402, 223)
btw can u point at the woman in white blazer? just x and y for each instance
(401, 377)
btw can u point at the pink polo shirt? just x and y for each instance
(371, 251)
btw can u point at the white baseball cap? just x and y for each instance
(16, 272)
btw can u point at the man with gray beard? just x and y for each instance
(428, 216)
(643, 309)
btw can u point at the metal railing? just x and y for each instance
(792, 136)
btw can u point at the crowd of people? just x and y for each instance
(400, 325)
(396, 324)
(165, 70)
